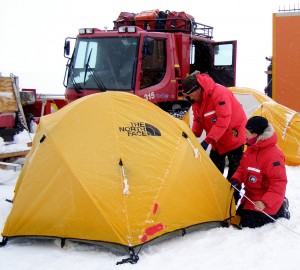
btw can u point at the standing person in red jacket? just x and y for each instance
(217, 112)
(262, 172)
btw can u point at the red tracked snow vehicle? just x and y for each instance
(147, 54)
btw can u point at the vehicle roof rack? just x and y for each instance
(170, 25)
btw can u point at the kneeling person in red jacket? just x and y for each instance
(263, 174)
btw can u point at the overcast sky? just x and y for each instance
(33, 33)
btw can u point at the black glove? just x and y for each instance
(204, 144)
(236, 193)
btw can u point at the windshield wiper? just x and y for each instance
(97, 79)
(87, 66)
(95, 76)
(76, 85)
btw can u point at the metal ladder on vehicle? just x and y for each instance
(20, 114)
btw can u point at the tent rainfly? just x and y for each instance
(114, 169)
(285, 121)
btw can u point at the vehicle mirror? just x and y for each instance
(68, 45)
(67, 48)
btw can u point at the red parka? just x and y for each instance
(262, 171)
(220, 114)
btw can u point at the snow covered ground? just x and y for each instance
(274, 246)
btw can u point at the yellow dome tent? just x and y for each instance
(285, 121)
(114, 168)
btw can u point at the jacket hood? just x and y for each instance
(206, 82)
(268, 137)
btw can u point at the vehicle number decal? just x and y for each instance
(149, 96)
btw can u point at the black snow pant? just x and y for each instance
(254, 219)
(234, 157)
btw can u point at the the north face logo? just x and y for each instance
(140, 129)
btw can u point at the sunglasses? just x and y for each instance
(191, 90)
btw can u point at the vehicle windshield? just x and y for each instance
(104, 63)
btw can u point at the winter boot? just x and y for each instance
(284, 210)
(286, 204)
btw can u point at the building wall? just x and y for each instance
(286, 59)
